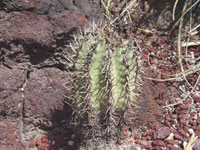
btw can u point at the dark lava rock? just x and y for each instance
(29, 38)
(89, 8)
(45, 95)
(26, 27)
(11, 81)
(30, 28)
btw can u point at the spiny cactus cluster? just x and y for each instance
(105, 73)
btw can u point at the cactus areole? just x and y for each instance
(105, 73)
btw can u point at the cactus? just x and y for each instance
(106, 73)
(117, 73)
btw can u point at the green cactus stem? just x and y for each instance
(106, 73)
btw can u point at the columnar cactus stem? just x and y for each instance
(106, 73)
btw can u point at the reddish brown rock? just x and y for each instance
(186, 128)
(156, 125)
(182, 132)
(197, 130)
(45, 93)
(175, 148)
(173, 142)
(162, 133)
(198, 121)
(8, 138)
(66, 21)
(10, 91)
(150, 132)
(177, 136)
(44, 139)
(192, 123)
(27, 27)
(196, 98)
(148, 138)
(184, 106)
(156, 147)
(30, 28)
(197, 145)
(167, 123)
(146, 147)
(44, 146)
(89, 9)
(159, 143)
(19, 5)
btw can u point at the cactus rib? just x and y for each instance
(97, 76)
(117, 72)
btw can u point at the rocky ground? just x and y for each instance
(34, 80)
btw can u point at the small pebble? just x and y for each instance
(49, 141)
(149, 142)
(73, 136)
(174, 126)
(176, 146)
(170, 137)
(197, 145)
(70, 143)
(53, 143)
(191, 131)
(195, 117)
(184, 144)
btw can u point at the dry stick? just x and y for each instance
(184, 14)
(191, 44)
(179, 37)
(191, 142)
(106, 7)
(174, 8)
(193, 68)
(179, 41)
(108, 3)
(130, 5)
(194, 29)
(188, 38)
